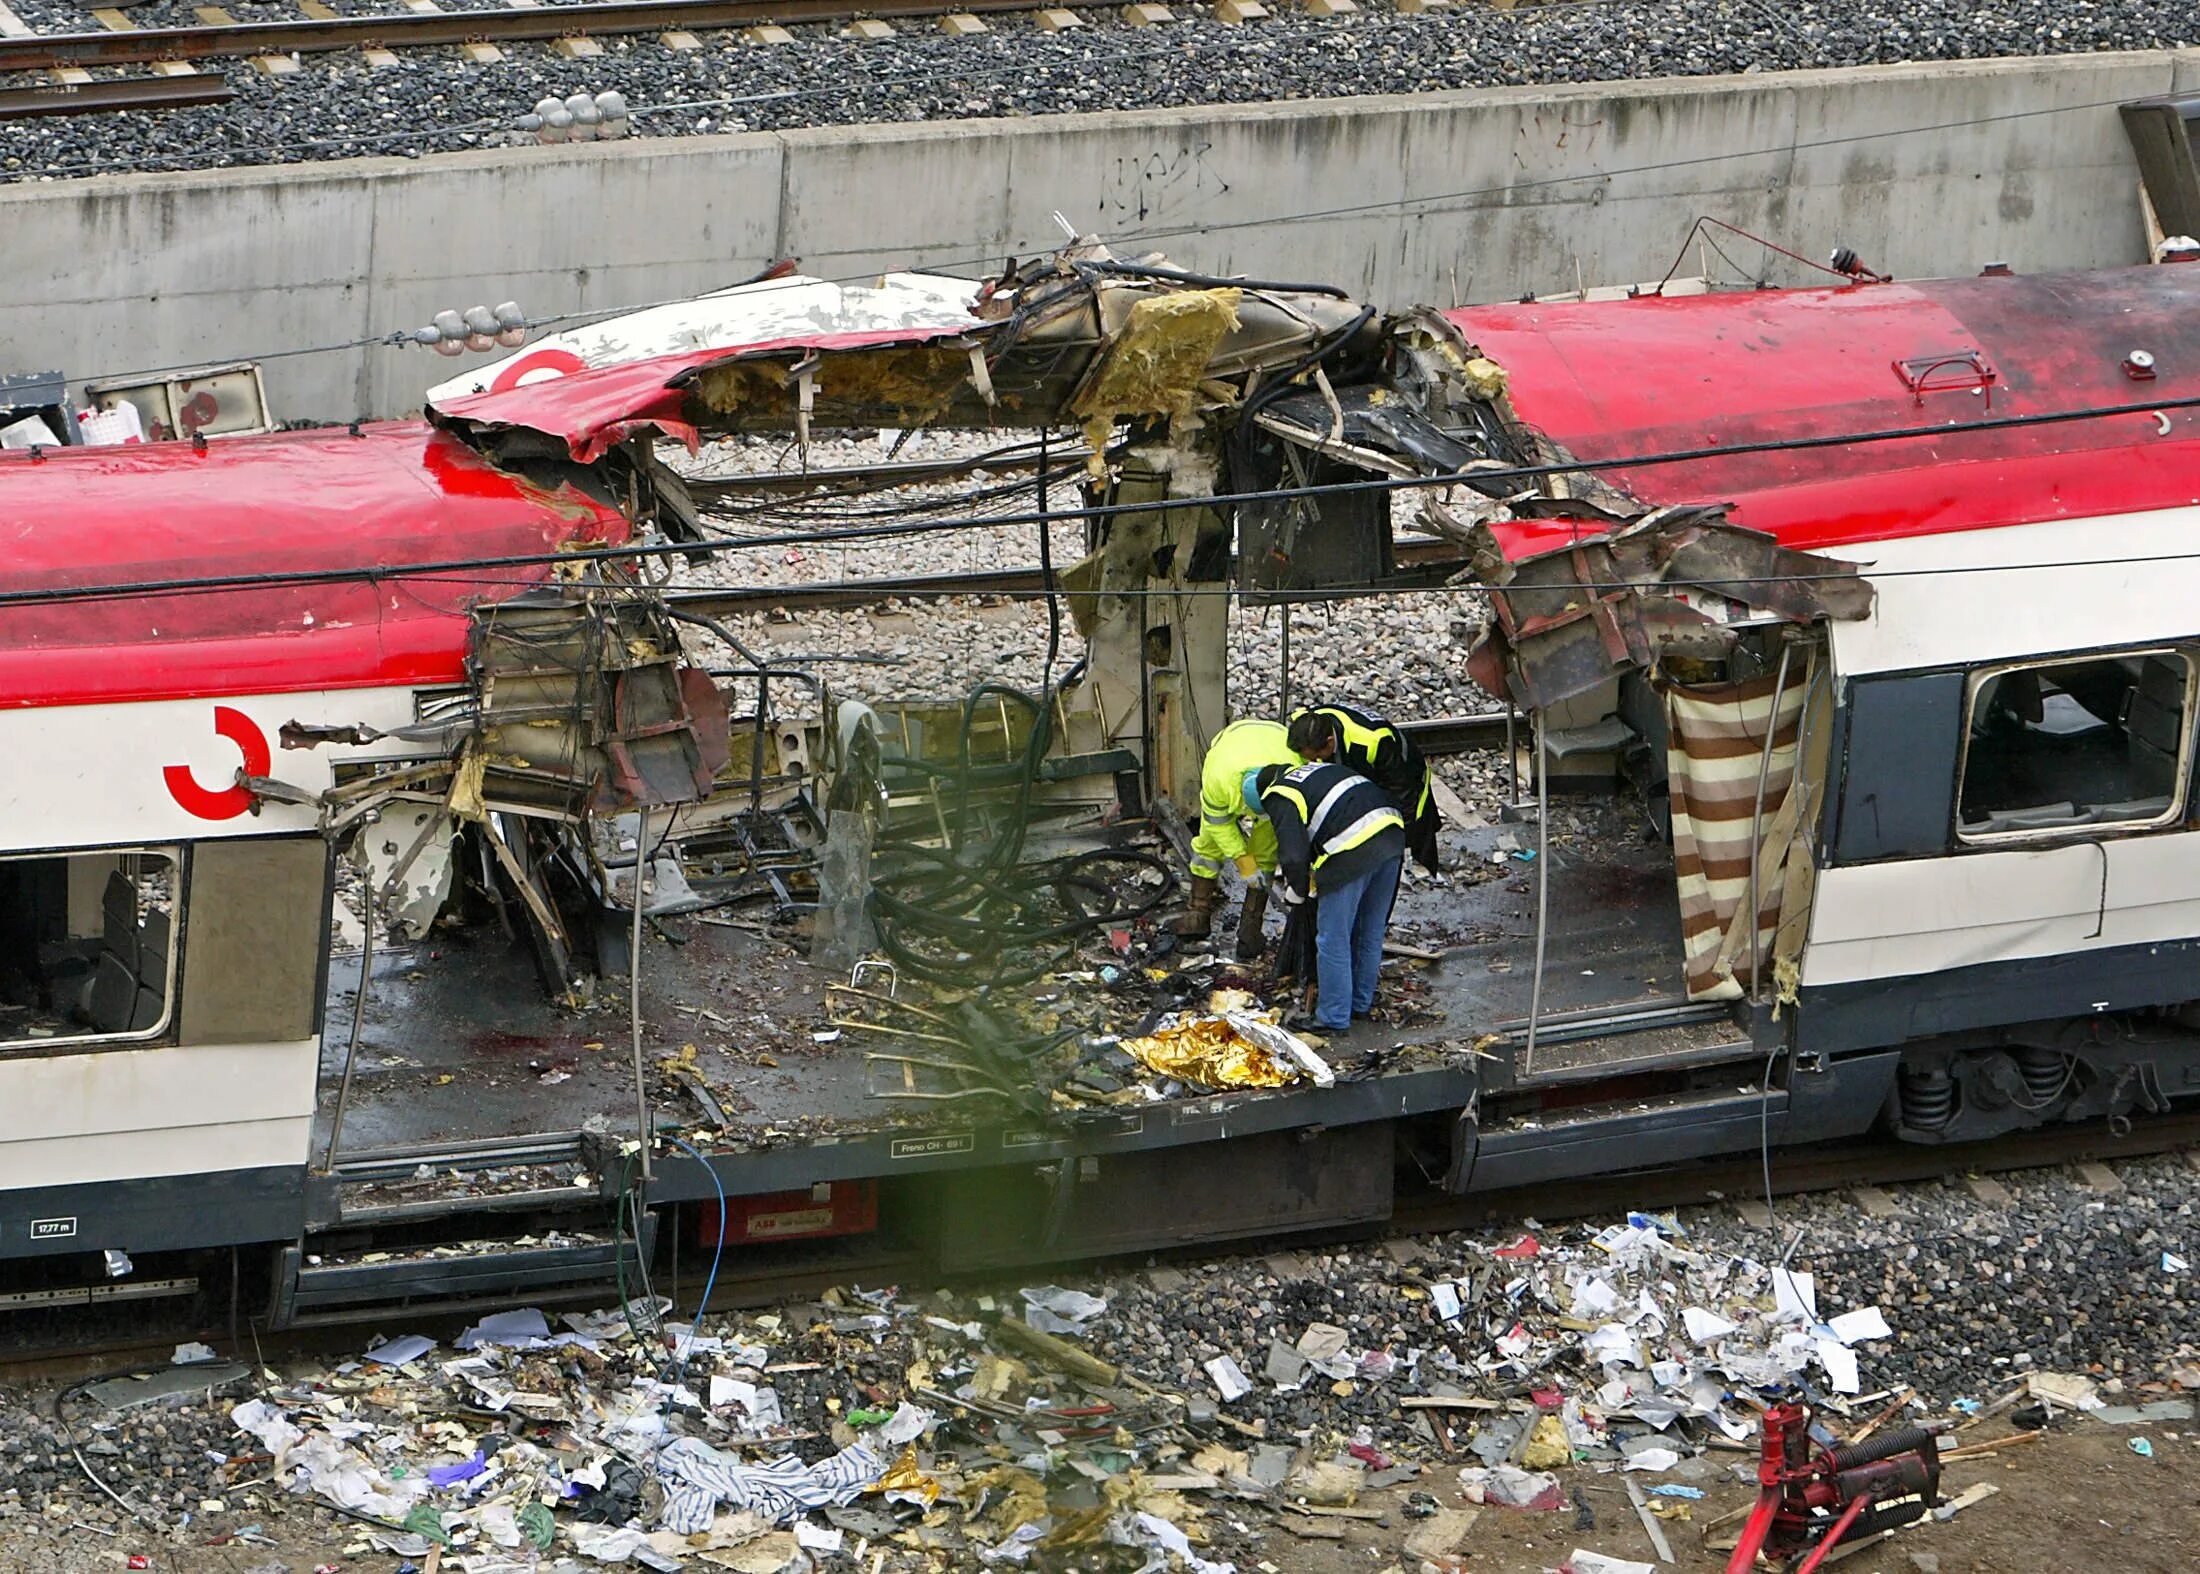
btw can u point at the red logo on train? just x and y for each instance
(224, 803)
(538, 367)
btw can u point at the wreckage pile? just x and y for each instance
(1167, 1416)
(1205, 1418)
(2033, 1273)
(897, 649)
(327, 110)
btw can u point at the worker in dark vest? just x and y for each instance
(1385, 756)
(1341, 840)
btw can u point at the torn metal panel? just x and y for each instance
(585, 705)
(1590, 598)
(407, 857)
(779, 306)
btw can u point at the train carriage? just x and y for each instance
(1854, 624)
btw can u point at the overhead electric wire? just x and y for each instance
(431, 571)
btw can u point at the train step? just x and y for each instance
(504, 1175)
(1590, 1045)
(315, 1289)
(1607, 1139)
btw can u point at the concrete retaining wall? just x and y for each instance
(1436, 198)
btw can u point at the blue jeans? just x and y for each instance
(1348, 944)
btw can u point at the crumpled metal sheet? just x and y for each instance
(1583, 596)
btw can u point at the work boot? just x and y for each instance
(1250, 941)
(1198, 916)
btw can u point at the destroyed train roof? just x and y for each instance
(1611, 379)
(592, 410)
(397, 493)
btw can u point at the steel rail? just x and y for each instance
(1868, 1161)
(95, 98)
(420, 30)
(1420, 563)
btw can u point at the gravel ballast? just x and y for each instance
(336, 107)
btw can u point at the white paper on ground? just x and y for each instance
(515, 1327)
(1795, 1295)
(1703, 1326)
(500, 1523)
(1054, 1310)
(906, 1425)
(411, 1347)
(604, 1544)
(1864, 1323)
(1733, 1426)
(1166, 1536)
(1444, 1296)
(1594, 1296)
(1840, 1364)
(1653, 1459)
(263, 1421)
(1229, 1378)
(1612, 1342)
(1017, 1548)
(1582, 1562)
(817, 1538)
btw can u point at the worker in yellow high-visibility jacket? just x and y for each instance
(1223, 837)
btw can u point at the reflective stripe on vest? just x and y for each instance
(1323, 842)
(1355, 734)
(1372, 823)
(1320, 816)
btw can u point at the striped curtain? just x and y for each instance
(1714, 751)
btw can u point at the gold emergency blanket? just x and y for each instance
(1210, 1052)
(1228, 1049)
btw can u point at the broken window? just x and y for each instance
(2054, 745)
(87, 946)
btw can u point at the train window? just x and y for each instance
(2060, 745)
(87, 946)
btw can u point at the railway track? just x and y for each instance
(1735, 1181)
(108, 97)
(206, 43)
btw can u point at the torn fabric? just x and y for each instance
(697, 1478)
(1715, 754)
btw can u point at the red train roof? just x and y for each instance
(396, 494)
(592, 411)
(1610, 379)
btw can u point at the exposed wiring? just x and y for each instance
(1046, 572)
(718, 1252)
(61, 1418)
(1381, 484)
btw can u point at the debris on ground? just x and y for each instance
(1594, 1386)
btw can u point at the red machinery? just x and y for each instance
(1813, 1498)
